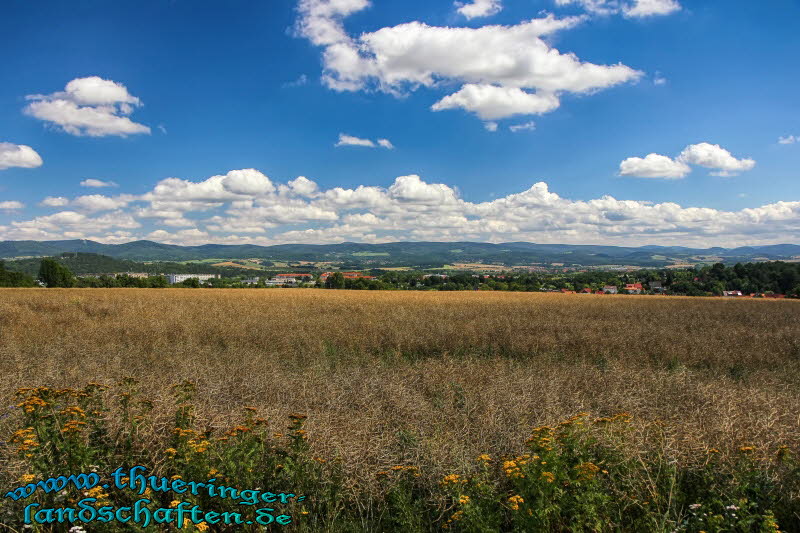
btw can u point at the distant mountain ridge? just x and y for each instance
(409, 253)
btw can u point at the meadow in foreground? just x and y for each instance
(465, 411)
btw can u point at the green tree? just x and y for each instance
(193, 283)
(335, 281)
(14, 279)
(54, 274)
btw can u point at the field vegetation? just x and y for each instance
(415, 411)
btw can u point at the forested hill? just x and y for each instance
(87, 263)
(421, 254)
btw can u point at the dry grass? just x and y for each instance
(429, 378)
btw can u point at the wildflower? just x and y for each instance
(303, 512)
(587, 471)
(452, 479)
(549, 476)
(171, 451)
(713, 450)
(732, 508)
(74, 410)
(514, 501)
(251, 409)
(174, 503)
(746, 449)
(695, 506)
(199, 445)
(298, 417)
(202, 526)
(484, 457)
(73, 426)
(27, 478)
(30, 404)
(512, 469)
(463, 499)
(97, 493)
(213, 472)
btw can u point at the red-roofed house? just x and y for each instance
(634, 288)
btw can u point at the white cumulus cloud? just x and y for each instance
(789, 139)
(629, 9)
(654, 166)
(18, 155)
(91, 182)
(54, 201)
(521, 127)
(715, 157)
(245, 206)
(704, 154)
(88, 106)
(11, 205)
(649, 8)
(349, 140)
(503, 70)
(479, 8)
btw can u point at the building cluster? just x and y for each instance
(172, 279)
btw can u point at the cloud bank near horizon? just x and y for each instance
(246, 206)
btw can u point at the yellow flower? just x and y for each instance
(202, 526)
(463, 499)
(514, 501)
(452, 478)
(746, 449)
(174, 503)
(171, 451)
(549, 476)
(587, 471)
(213, 472)
(97, 493)
(27, 478)
(484, 457)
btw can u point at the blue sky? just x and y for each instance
(636, 121)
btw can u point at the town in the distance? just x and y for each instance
(764, 271)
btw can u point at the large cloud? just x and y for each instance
(88, 106)
(18, 155)
(246, 206)
(703, 154)
(503, 70)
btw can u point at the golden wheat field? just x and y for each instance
(428, 378)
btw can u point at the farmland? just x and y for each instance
(431, 380)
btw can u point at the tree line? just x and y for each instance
(769, 277)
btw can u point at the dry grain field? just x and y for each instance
(431, 379)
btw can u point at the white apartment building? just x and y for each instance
(172, 279)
